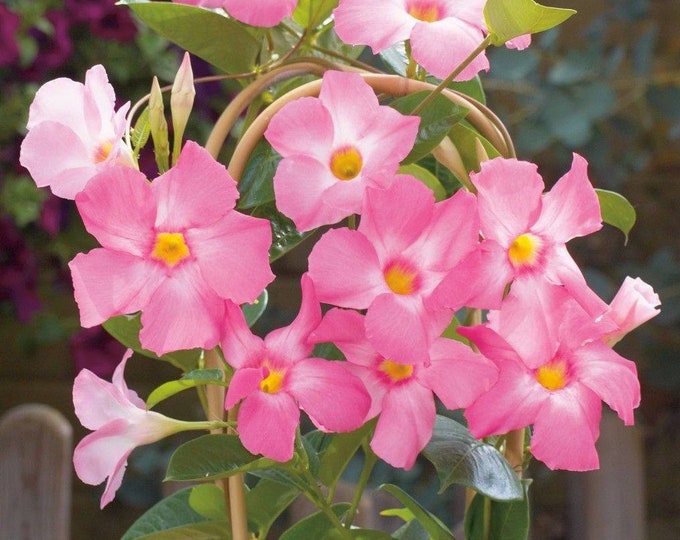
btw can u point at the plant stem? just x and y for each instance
(317, 498)
(370, 459)
(237, 500)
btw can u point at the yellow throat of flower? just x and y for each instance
(272, 383)
(401, 278)
(524, 250)
(395, 371)
(553, 375)
(346, 163)
(424, 11)
(170, 248)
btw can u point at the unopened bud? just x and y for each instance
(159, 126)
(181, 103)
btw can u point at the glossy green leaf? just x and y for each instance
(285, 236)
(197, 377)
(616, 211)
(317, 525)
(508, 19)
(506, 520)
(213, 456)
(125, 328)
(464, 136)
(219, 40)
(412, 530)
(256, 183)
(459, 458)
(255, 310)
(336, 455)
(173, 511)
(200, 531)
(311, 13)
(436, 120)
(208, 501)
(266, 502)
(427, 178)
(431, 523)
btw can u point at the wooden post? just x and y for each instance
(35, 473)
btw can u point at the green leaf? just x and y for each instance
(213, 456)
(427, 178)
(208, 500)
(431, 523)
(507, 520)
(464, 136)
(436, 120)
(311, 13)
(222, 41)
(255, 310)
(284, 234)
(316, 526)
(336, 455)
(508, 19)
(173, 511)
(616, 211)
(200, 531)
(412, 530)
(459, 458)
(197, 377)
(266, 502)
(256, 184)
(125, 328)
(141, 131)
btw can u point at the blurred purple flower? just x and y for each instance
(9, 48)
(105, 19)
(54, 49)
(95, 349)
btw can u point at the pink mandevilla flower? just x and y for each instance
(256, 13)
(525, 232)
(402, 393)
(635, 303)
(74, 133)
(174, 249)
(404, 246)
(120, 422)
(555, 371)
(276, 377)
(333, 147)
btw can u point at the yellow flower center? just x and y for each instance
(425, 11)
(102, 152)
(524, 250)
(272, 383)
(552, 375)
(170, 248)
(401, 278)
(396, 372)
(346, 163)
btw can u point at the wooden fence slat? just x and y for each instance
(36, 444)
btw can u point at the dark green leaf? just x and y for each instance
(219, 40)
(336, 455)
(208, 500)
(616, 210)
(253, 311)
(507, 520)
(431, 523)
(213, 456)
(284, 234)
(316, 526)
(459, 458)
(255, 186)
(436, 120)
(173, 511)
(197, 377)
(412, 530)
(200, 531)
(266, 502)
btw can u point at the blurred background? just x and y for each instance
(606, 84)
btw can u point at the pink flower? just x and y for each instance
(333, 147)
(403, 248)
(554, 374)
(74, 133)
(174, 249)
(635, 303)
(256, 13)
(275, 377)
(120, 422)
(402, 392)
(442, 33)
(525, 232)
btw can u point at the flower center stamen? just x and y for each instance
(346, 163)
(553, 375)
(401, 277)
(273, 382)
(524, 250)
(395, 371)
(103, 151)
(170, 248)
(425, 11)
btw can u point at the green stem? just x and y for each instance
(317, 498)
(445, 83)
(370, 459)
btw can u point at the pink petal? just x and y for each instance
(102, 94)
(405, 425)
(610, 376)
(345, 329)
(267, 424)
(118, 209)
(261, 13)
(239, 345)
(59, 100)
(118, 380)
(108, 283)
(634, 304)
(509, 194)
(97, 402)
(233, 255)
(100, 453)
(345, 269)
(197, 191)
(571, 208)
(566, 429)
(334, 399)
(244, 382)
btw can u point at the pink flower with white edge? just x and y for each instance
(555, 371)
(392, 263)
(525, 233)
(403, 393)
(334, 147)
(174, 249)
(635, 303)
(442, 33)
(265, 13)
(120, 423)
(74, 133)
(276, 377)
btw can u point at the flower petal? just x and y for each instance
(239, 345)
